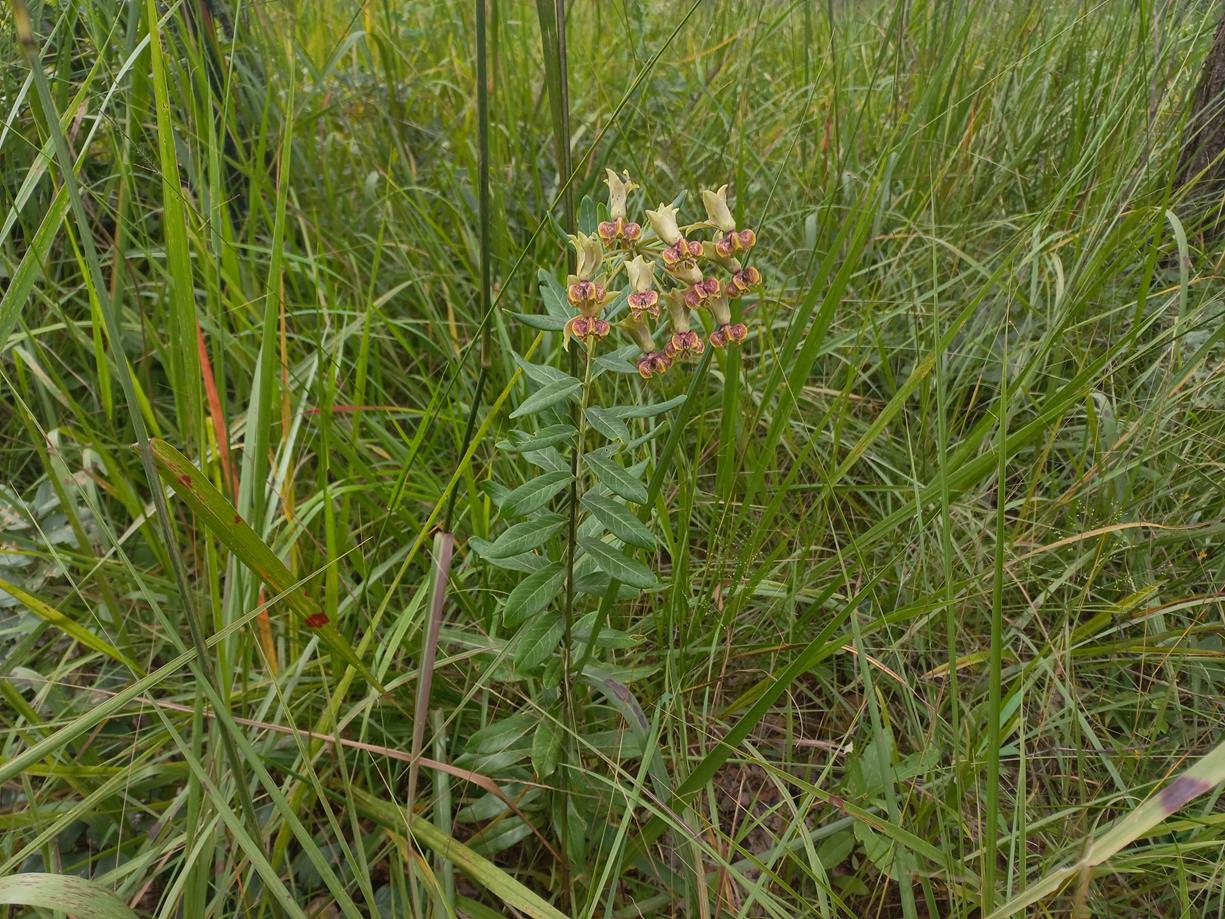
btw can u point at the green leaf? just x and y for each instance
(619, 521)
(553, 434)
(553, 295)
(546, 747)
(616, 478)
(647, 411)
(549, 459)
(586, 215)
(525, 564)
(524, 537)
(619, 360)
(542, 322)
(533, 594)
(536, 640)
(68, 626)
(501, 735)
(223, 521)
(536, 493)
(541, 374)
(615, 564)
(608, 637)
(63, 893)
(608, 424)
(549, 394)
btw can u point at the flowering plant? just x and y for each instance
(686, 264)
(577, 528)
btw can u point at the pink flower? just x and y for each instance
(731, 333)
(586, 328)
(743, 281)
(644, 301)
(653, 363)
(682, 343)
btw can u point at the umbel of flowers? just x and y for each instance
(667, 266)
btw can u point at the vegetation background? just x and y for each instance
(941, 549)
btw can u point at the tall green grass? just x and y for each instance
(941, 546)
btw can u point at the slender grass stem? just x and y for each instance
(995, 664)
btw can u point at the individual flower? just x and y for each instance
(729, 240)
(587, 328)
(643, 298)
(684, 340)
(726, 332)
(618, 229)
(681, 254)
(663, 222)
(653, 362)
(717, 211)
(588, 256)
(732, 333)
(699, 292)
(736, 241)
(588, 297)
(586, 292)
(743, 281)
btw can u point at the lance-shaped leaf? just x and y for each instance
(537, 639)
(533, 593)
(546, 747)
(615, 564)
(536, 493)
(619, 521)
(647, 411)
(549, 436)
(523, 537)
(549, 394)
(608, 424)
(616, 478)
(224, 522)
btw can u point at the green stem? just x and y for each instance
(995, 688)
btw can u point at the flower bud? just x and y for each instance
(618, 189)
(588, 255)
(640, 333)
(663, 221)
(641, 273)
(720, 309)
(717, 211)
(678, 312)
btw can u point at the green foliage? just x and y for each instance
(960, 482)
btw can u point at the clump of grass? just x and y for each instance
(939, 573)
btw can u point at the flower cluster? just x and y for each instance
(688, 282)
